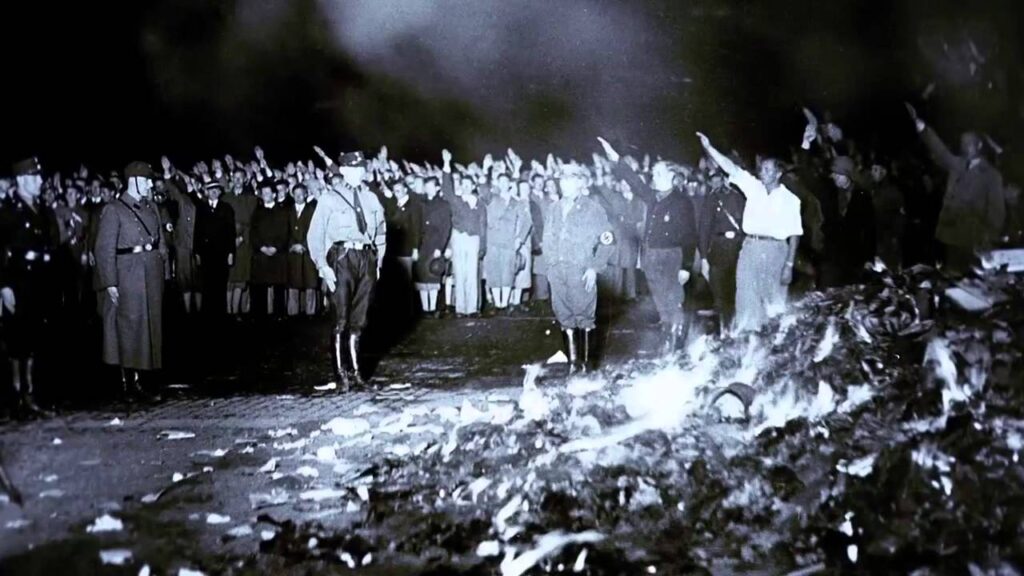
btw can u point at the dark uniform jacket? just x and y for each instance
(131, 255)
(29, 241)
(671, 218)
(722, 214)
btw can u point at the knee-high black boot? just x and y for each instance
(340, 370)
(353, 349)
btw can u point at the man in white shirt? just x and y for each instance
(771, 223)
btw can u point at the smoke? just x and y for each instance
(543, 75)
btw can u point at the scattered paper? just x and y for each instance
(488, 549)
(326, 387)
(326, 454)
(240, 531)
(175, 435)
(558, 358)
(283, 432)
(144, 571)
(57, 441)
(218, 453)
(51, 494)
(17, 524)
(860, 467)
(50, 478)
(365, 409)
(215, 519)
(270, 466)
(347, 427)
(115, 422)
(308, 472)
(322, 494)
(276, 497)
(189, 572)
(547, 545)
(105, 523)
(177, 477)
(581, 562)
(115, 557)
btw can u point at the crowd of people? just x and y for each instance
(494, 237)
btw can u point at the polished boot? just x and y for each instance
(570, 336)
(130, 385)
(340, 370)
(353, 350)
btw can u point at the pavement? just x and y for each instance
(249, 395)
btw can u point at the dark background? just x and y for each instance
(107, 82)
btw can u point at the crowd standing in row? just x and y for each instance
(242, 238)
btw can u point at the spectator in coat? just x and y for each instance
(243, 203)
(974, 205)
(303, 278)
(851, 243)
(404, 214)
(436, 229)
(214, 247)
(270, 234)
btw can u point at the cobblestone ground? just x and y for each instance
(83, 464)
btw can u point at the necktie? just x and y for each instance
(360, 218)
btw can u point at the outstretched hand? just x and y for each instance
(610, 152)
(704, 140)
(911, 111)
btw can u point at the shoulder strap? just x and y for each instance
(137, 217)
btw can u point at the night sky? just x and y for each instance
(106, 82)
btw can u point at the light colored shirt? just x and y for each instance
(774, 215)
(334, 221)
(299, 207)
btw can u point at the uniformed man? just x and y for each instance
(670, 240)
(132, 264)
(721, 237)
(347, 241)
(578, 241)
(29, 239)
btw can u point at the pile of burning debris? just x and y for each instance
(874, 429)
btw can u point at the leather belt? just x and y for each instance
(351, 245)
(147, 247)
(765, 238)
